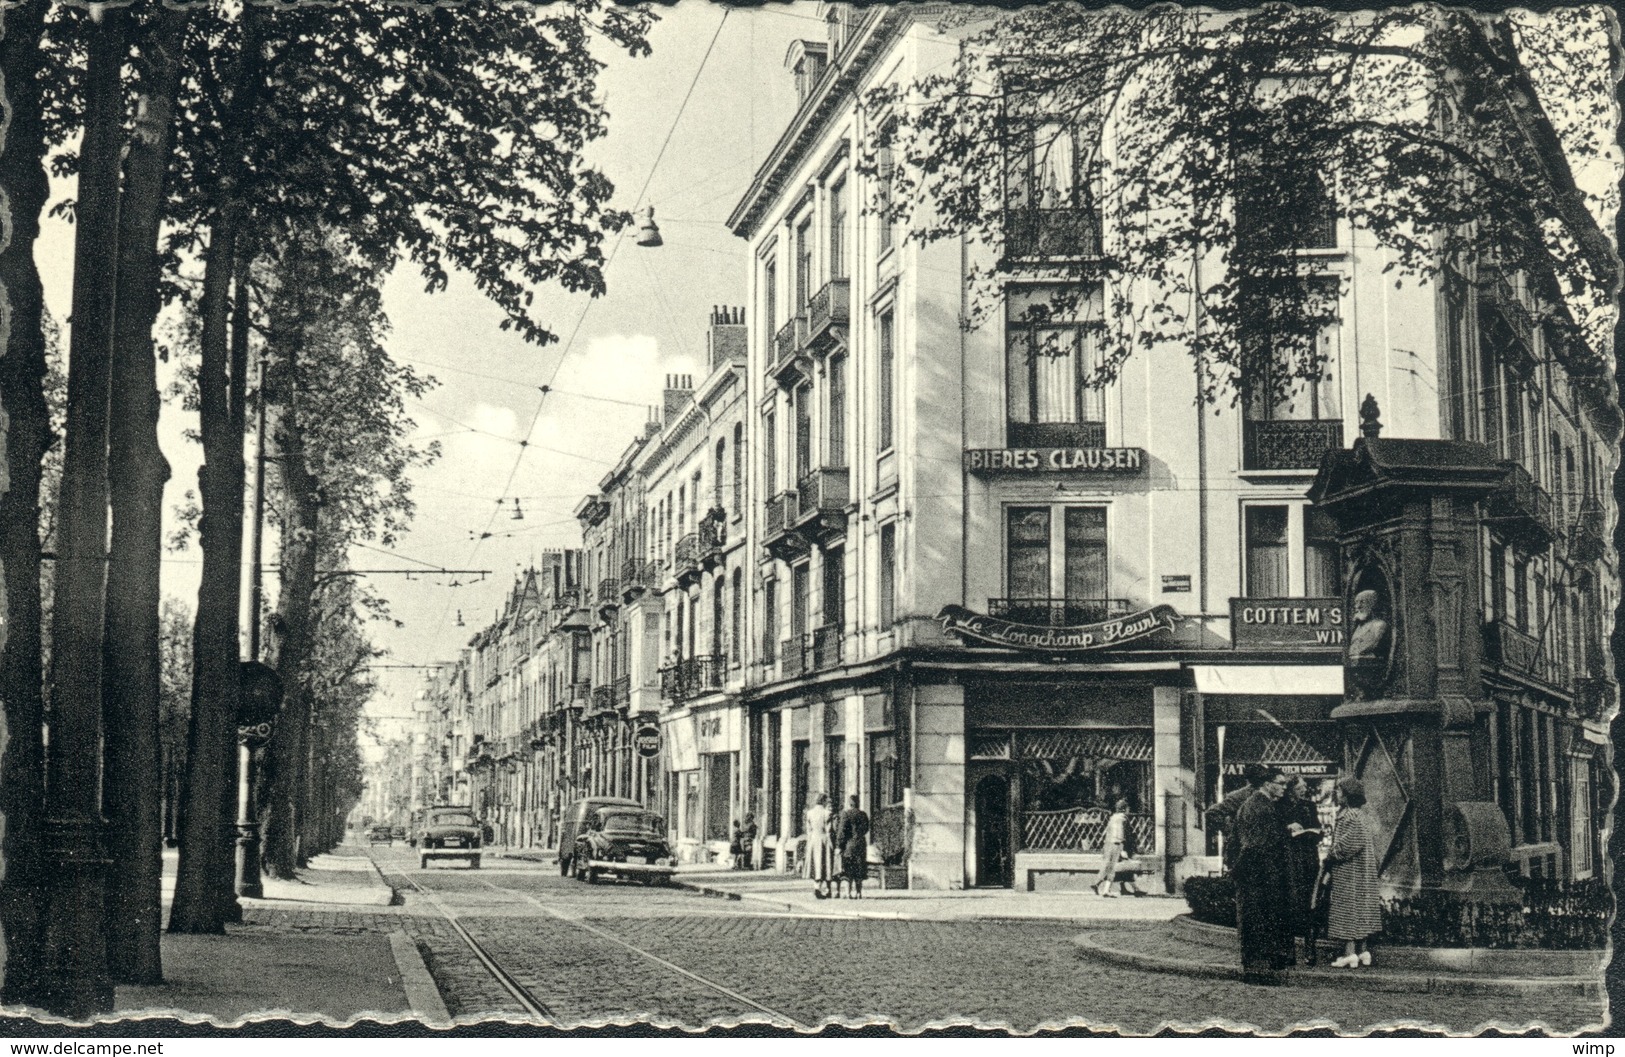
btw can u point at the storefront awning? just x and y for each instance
(1323, 679)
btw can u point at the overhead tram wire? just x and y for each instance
(620, 238)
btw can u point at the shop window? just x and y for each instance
(718, 790)
(885, 777)
(1052, 357)
(888, 576)
(1070, 780)
(1266, 528)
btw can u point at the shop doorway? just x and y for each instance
(992, 805)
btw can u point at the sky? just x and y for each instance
(606, 370)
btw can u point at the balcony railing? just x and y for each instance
(620, 691)
(603, 700)
(1521, 510)
(609, 592)
(828, 312)
(792, 658)
(1588, 536)
(779, 535)
(693, 677)
(1056, 435)
(1058, 612)
(1287, 444)
(825, 490)
(823, 648)
(688, 556)
(713, 531)
(1508, 648)
(788, 344)
(1069, 232)
(567, 598)
(580, 692)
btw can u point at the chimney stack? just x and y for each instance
(679, 389)
(725, 343)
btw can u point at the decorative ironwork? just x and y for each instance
(828, 310)
(1510, 649)
(1069, 232)
(1081, 829)
(603, 700)
(1520, 511)
(788, 344)
(1588, 539)
(823, 648)
(620, 692)
(1132, 744)
(688, 558)
(713, 536)
(985, 746)
(780, 537)
(693, 677)
(1288, 444)
(1056, 434)
(1058, 612)
(1593, 697)
(609, 592)
(823, 496)
(792, 659)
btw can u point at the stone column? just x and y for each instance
(937, 797)
(1166, 774)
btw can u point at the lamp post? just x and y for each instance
(260, 702)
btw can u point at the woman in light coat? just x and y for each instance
(820, 855)
(1112, 846)
(1355, 909)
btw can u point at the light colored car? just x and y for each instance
(449, 833)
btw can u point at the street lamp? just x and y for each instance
(257, 709)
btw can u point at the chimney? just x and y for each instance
(679, 389)
(726, 341)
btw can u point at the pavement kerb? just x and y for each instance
(1359, 979)
(421, 991)
(395, 899)
(840, 911)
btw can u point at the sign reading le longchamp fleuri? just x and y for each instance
(957, 620)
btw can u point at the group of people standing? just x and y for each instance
(837, 849)
(1286, 892)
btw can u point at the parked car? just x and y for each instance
(380, 835)
(626, 842)
(570, 826)
(449, 833)
(397, 833)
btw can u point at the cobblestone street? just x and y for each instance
(814, 969)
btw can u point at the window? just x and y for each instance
(885, 786)
(885, 165)
(770, 298)
(800, 780)
(1086, 564)
(1580, 834)
(770, 454)
(1027, 553)
(1458, 371)
(1322, 559)
(775, 734)
(888, 576)
(799, 585)
(837, 230)
(1266, 528)
(678, 643)
(835, 587)
(736, 624)
(770, 621)
(1051, 357)
(803, 266)
(1498, 582)
(1052, 164)
(717, 478)
(1281, 396)
(803, 409)
(717, 609)
(837, 411)
(835, 773)
(739, 467)
(888, 380)
(1520, 594)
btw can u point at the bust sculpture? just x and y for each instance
(1370, 643)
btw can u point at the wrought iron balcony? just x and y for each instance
(823, 648)
(1593, 696)
(687, 565)
(792, 658)
(1512, 650)
(779, 535)
(713, 533)
(1071, 232)
(1288, 444)
(828, 313)
(821, 507)
(567, 597)
(609, 592)
(788, 346)
(1588, 536)
(1058, 612)
(637, 577)
(620, 692)
(603, 700)
(1520, 511)
(693, 677)
(1056, 435)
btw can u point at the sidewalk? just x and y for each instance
(317, 948)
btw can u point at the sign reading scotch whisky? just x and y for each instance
(1287, 623)
(957, 620)
(1054, 460)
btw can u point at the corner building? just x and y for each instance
(991, 601)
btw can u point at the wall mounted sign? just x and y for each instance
(1176, 583)
(1055, 460)
(1287, 623)
(647, 741)
(957, 620)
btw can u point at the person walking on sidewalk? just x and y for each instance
(854, 843)
(734, 846)
(1300, 815)
(820, 866)
(1356, 912)
(747, 842)
(1112, 847)
(1262, 898)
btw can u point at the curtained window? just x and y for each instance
(1266, 528)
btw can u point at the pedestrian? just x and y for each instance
(733, 846)
(747, 841)
(1223, 814)
(819, 854)
(1262, 912)
(854, 844)
(1355, 909)
(1112, 848)
(1301, 816)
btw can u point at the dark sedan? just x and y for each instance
(626, 842)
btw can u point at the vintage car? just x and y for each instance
(626, 842)
(380, 835)
(574, 820)
(449, 833)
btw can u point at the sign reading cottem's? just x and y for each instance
(1055, 460)
(957, 620)
(1286, 623)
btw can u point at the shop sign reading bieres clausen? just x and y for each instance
(1054, 460)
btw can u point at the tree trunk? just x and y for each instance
(76, 979)
(204, 899)
(133, 792)
(26, 438)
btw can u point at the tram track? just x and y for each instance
(538, 1008)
